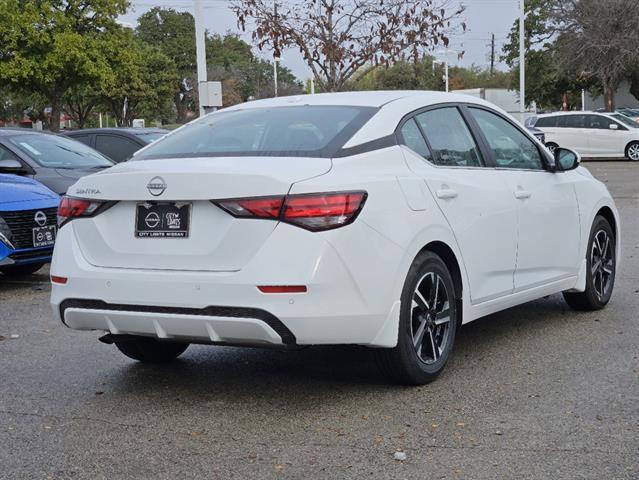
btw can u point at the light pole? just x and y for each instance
(275, 60)
(522, 61)
(200, 51)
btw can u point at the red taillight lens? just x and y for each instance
(323, 211)
(70, 208)
(261, 207)
(316, 211)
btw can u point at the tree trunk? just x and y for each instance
(564, 101)
(610, 98)
(54, 122)
(180, 107)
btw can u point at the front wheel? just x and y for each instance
(552, 147)
(150, 350)
(601, 261)
(427, 324)
(632, 151)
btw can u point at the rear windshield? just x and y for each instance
(310, 131)
(58, 152)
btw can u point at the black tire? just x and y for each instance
(552, 146)
(20, 270)
(632, 155)
(150, 350)
(592, 298)
(402, 363)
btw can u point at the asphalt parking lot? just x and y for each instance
(537, 391)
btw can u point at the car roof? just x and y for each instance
(572, 112)
(377, 98)
(10, 132)
(131, 130)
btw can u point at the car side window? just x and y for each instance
(7, 155)
(86, 139)
(512, 148)
(598, 122)
(547, 122)
(413, 139)
(449, 137)
(576, 121)
(116, 147)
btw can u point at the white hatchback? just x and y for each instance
(384, 219)
(592, 134)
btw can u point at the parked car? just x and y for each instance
(632, 113)
(27, 224)
(538, 134)
(55, 161)
(119, 144)
(384, 219)
(592, 134)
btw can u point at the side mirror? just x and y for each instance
(11, 166)
(613, 126)
(566, 159)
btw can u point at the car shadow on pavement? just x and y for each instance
(207, 373)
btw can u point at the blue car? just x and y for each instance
(28, 217)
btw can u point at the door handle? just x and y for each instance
(522, 194)
(445, 193)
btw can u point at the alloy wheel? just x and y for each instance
(633, 151)
(430, 318)
(602, 263)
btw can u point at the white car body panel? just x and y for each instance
(508, 250)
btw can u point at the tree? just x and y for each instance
(599, 39)
(51, 46)
(173, 33)
(230, 60)
(140, 77)
(547, 84)
(338, 37)
(79, 102)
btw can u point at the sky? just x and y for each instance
(482, 17)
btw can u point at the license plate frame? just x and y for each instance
(163, 219)
(43, 236)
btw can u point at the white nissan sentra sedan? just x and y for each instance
(384, 219)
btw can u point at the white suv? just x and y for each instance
(592, 134)
(384, 219)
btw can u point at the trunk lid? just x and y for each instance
(216, 240)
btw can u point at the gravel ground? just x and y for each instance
(537, 391)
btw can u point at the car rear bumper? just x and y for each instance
(225, 325)
(339, 307)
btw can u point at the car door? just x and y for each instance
(547, 211)
(605, 141)
(474, 199)
(117, 147)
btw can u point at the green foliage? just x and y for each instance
(140, 77)
(50, 46)
(423, 75)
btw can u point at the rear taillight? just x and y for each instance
(70, 208)
(314, 211)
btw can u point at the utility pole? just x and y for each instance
(492, 54)
(200, 51)
(276, 58)
(522, 61)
